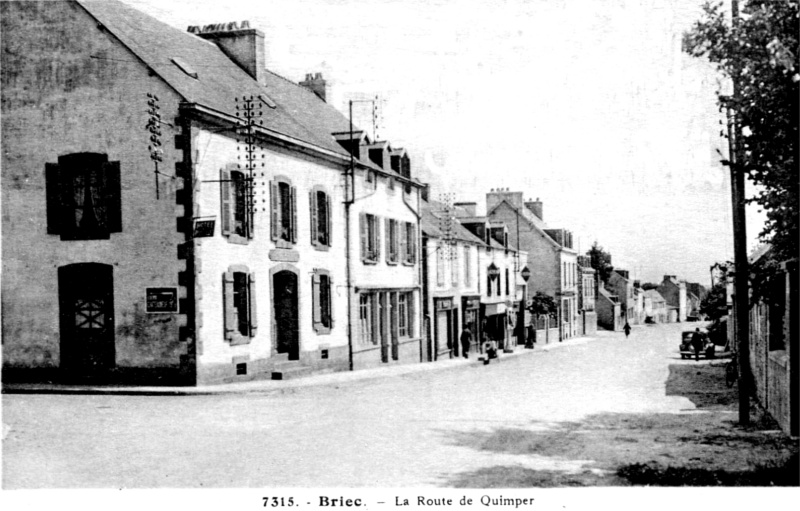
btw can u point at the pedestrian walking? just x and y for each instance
(697, 344)
(627, 329)
(466, 340)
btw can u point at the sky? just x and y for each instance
(589, 106)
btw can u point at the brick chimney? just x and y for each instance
(496, 196)
(242, 44)
(316, 84)
(535, 207)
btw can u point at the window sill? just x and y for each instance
(369, 261)
(284, 244)
(239, 340)
(408, 263)
(321, 330)
(237, 240)
(392, 263)
(321, 247)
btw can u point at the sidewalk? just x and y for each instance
(272, 386)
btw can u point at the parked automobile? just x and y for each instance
(687, 350)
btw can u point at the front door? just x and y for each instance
(286, 314)
(86, 302)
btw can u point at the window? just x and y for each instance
(83, 197)
(440, 265)
(283, 207)
(402, 315)
(507, 283)
(467, 267)
(320, 203)
(365, 318)
(239, 302)
(322, 285)
(408, 243)
(392, 235)
(236, 218)
(370, 238)
(454, 266)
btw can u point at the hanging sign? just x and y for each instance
(203, 227)
(526, 273)
(493, 271)
(162, 300)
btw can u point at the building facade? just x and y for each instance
(587, 297)
(674, 292)
(206, 247)
(620, 284)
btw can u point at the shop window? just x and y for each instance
(320, 205)
(365, 317)
(283, 208)
(322, 301)
(83, 197)
(239, 302)
(370, 238)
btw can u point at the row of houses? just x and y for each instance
(174, 212)
(623, 300)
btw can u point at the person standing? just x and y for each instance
(697, 344)
(627, 329)
(466, 340)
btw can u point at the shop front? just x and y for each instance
(445, 344)
(471, 309)
(495, 327)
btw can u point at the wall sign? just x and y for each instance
(444, 303)
(162, 300)
(203, 227)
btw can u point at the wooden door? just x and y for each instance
(286, 314)
(86, 300)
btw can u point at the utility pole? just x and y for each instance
(741, 272)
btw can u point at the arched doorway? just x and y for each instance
(286, 339)
(86, 303)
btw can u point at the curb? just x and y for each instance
(275, 387)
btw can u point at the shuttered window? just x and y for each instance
(392, 241)
(236, 209)
(409, 243)
(283, 212)
(322, 286)
(83, 197)
(370, 238)
(240, 317)
(320, 212)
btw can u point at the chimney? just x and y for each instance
(496, 196)
(242, 44)
(316, 84)
(535, 207)
(470, 208)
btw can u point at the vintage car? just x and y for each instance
(687, 350)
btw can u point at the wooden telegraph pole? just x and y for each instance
(741, 291)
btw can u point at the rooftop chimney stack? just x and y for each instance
(535, 207)
(316, 84)
(469, 208)
(242, 44)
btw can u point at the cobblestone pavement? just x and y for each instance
(419, 429)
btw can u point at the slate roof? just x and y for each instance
(430, 221)
(299, 113)
(654, 295)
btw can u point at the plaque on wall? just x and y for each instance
(162, 300)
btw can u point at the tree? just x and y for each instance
(760, 53)
(600, 260)
(542, 304)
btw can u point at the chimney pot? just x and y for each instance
(242, 44)
(316, 84)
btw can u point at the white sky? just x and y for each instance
(589, 106)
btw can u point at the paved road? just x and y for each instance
(406, 431)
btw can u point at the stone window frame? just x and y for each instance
(314, 220)
(231, 320)
(318, 315)
(277, 211)
(229, 203)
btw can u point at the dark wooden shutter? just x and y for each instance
(294, 213)
(53, 193)
(312, 201)
(330, 300)
(113, 196)
(274, 220)
(328, 219)
(227, 202)
(253, 309)
(362, 223)
(229, 307)
(412, 243)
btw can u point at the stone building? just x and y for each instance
(674, 292)
(620, 284)
(153, 234)
(552, 259)
(587, 297)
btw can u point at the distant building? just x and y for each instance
(620, 284)
(609, 310)
(655, 307)
(674, 292)
(587, 308)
